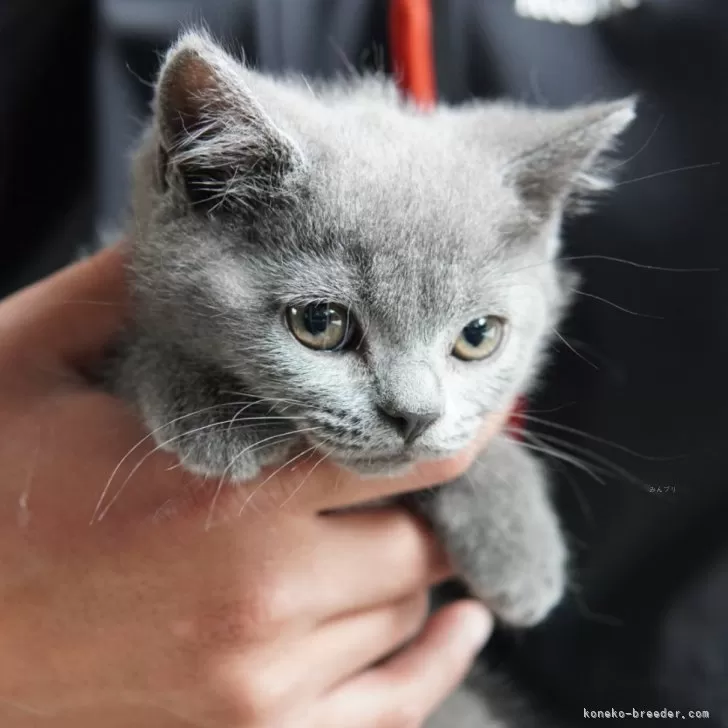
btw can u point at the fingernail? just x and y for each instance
(476, 626)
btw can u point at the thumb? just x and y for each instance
(70, 316)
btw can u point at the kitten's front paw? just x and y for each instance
(529, 593)
(503, 534)
(520, 570)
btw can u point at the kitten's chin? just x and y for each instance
(392, 465)
(377, 468)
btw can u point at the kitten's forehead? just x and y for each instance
(426, 168)
(420, 227)
(413, 263)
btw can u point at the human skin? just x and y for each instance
(171, 601)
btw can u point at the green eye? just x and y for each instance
(321, 326)
(480, 338)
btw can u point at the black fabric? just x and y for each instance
(45, 135)
(644, 355)
(316, 37)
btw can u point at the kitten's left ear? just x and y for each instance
(565, 162)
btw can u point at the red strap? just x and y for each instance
(410, 25)
(518, 418)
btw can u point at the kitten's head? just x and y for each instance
(384, 275)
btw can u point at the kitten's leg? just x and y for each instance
(201, 413)
(500, 530)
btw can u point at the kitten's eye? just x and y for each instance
(322, 326)
(480, 338)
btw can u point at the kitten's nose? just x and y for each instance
(409, 424)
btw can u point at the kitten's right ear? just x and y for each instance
(217, 143)
(565, 159)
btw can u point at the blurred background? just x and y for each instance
(641, 364)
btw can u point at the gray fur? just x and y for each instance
(252, 193)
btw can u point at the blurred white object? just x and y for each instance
(575, 12)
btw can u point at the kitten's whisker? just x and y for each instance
(252, 421)
(573, 350)
(595, 438)
(578, 494)
(551, 410)
(337, 482)
(257, 397)
(240, 412)
(688, 168)
(287, 464)
(142, 441)
(261, 400)
(272, 438)
(616, 305)
(537, 445)
(606, 465)
(308, 475)
(558, 464)
(221, 482)
(623, 162)
(285, 400)
(613, 259)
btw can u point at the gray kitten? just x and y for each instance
(372, 280)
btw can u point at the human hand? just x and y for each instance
(268, 614)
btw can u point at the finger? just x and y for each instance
(400, 554)
(71, 314)
(348, 645)
(408, 687)
(277, 678)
